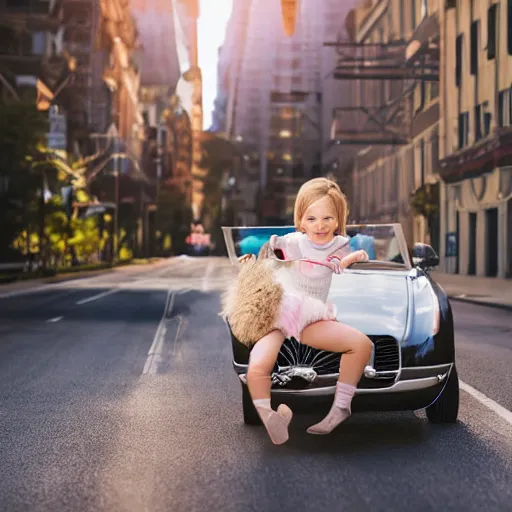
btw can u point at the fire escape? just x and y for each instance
(383, 78)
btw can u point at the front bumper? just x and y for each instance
(408, 380)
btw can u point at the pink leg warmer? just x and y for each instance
(339, 412)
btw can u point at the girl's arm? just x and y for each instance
(354, 257)
(344, 257)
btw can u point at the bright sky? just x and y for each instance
(214, 15)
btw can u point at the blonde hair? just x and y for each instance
(316, 189)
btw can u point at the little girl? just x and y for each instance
(320, 219)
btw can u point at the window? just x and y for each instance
(422, 161)
(503, 108)
(20, 4)
(395, 182)
(463, 129)
(413, 14)
(434, 90)
(487, 123)
(509, 24)
(458, 55)
(474, 47)
(402, 19)
(477, 123)
(509, 95)
(487, 118)
(38, 43)
(434, 148)
(491, 31)
(412, 170)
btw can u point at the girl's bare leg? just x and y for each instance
(356, 348)
(263, 357)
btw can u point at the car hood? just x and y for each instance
(372, 302)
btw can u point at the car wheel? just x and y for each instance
(251, 416)
(446, 408)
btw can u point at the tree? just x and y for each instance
(77, 238)
(174, 217)
(425, 202)
(22, 130)
(217, 157)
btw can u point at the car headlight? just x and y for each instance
(436, 313)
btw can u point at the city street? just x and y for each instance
(117, 394)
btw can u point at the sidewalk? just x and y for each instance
(29, 284)
(477, 290)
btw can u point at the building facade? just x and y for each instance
(476, 134)
(87, 98)
(32, 59)
(189, 94)
(115, 174)
(394, 115)
(337, 159)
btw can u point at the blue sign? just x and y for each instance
(451, 245)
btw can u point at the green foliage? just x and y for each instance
(125, 254)
(80, 235)
(174, 217)
(425, 201)
(22, 130)
(218, 158)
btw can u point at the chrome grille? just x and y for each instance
(293, 353)
(387, 354)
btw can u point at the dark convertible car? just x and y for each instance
(392, 299)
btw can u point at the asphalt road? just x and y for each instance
(117, 394)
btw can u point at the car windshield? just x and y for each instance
(382, 242)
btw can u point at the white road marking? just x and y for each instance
(488, 402)
(98, 296)
(54, 320)
(206, 277)
(155, 351)
(178, 332)
(26, 291)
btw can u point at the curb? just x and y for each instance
(496, 305)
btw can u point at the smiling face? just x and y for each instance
(319, 222)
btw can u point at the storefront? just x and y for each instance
(476, 209)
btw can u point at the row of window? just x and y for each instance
(474, 47)
(482, 119)
(382, 187)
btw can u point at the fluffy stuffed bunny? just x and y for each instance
(264, 297)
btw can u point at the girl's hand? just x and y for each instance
(245, 258)
(363, 256)
(335, 264)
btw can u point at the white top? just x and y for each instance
(314, 280)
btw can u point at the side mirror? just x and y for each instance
(424, 257)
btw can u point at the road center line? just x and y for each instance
(178, 332)
(98, 296)
(488, 402)
(206, 277)
(155, 351)
(54, 320)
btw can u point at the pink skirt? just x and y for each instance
(299, 311)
